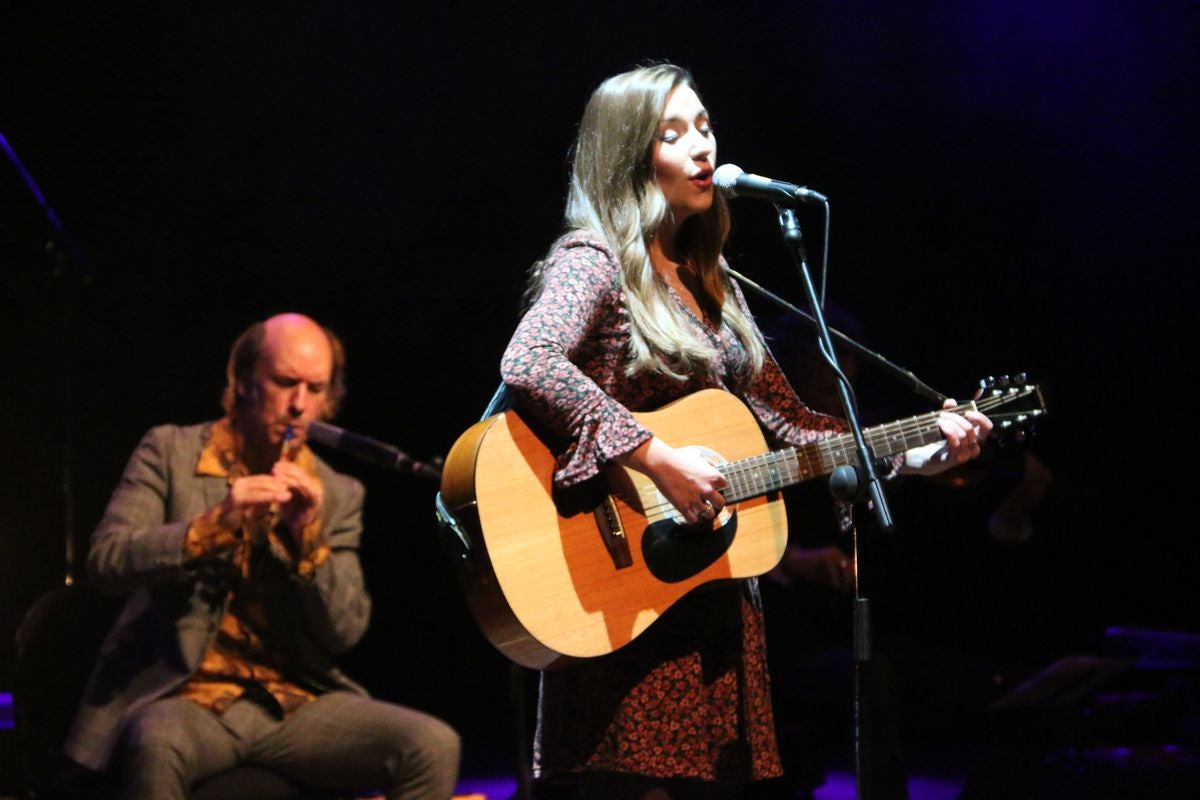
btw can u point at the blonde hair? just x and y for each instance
(614, 193)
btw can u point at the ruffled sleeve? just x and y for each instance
(580, 308)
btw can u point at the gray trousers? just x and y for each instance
(341, 741)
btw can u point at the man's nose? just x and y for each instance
(299, 400)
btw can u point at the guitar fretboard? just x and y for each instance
(750, 477)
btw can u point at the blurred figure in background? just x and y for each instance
(240, 547)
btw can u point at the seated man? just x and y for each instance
(242, 549)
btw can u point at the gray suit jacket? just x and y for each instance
(172, 615)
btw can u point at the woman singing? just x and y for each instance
(630, 310)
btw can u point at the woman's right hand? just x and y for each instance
(683, 475)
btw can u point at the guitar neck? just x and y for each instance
(769, 472)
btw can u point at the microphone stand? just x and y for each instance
(70, 268)
(794, 238)
(896, 371)
(848, 483)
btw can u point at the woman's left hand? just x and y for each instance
(964, 435)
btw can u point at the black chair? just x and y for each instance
(57, 644)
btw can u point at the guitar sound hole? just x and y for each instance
(675, 552)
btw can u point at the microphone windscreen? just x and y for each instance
(725, 178)
(324, 433)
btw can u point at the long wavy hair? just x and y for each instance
(614, 193)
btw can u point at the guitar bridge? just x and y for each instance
(608, 522)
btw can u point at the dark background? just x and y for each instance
(1012, 188)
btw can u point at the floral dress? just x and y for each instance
(690, 697)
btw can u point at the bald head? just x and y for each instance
(296, 336)
(284, 339)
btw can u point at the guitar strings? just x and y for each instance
(750, 474)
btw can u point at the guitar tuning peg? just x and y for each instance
(1020, 378)
(1002, 382)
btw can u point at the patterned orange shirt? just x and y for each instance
(241, 658)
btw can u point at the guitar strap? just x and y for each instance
(501, 401)
(453, 538)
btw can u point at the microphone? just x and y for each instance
(369, 450)
(732, 181)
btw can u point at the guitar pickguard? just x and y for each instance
(675, 552)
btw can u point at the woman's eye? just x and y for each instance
(669, 136)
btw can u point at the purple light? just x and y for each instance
(841, 786)
(6, 711)
(497, 787)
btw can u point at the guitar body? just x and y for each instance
(552, 577)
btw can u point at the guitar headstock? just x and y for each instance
(1013, 404)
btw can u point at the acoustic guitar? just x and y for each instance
(554, 576)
